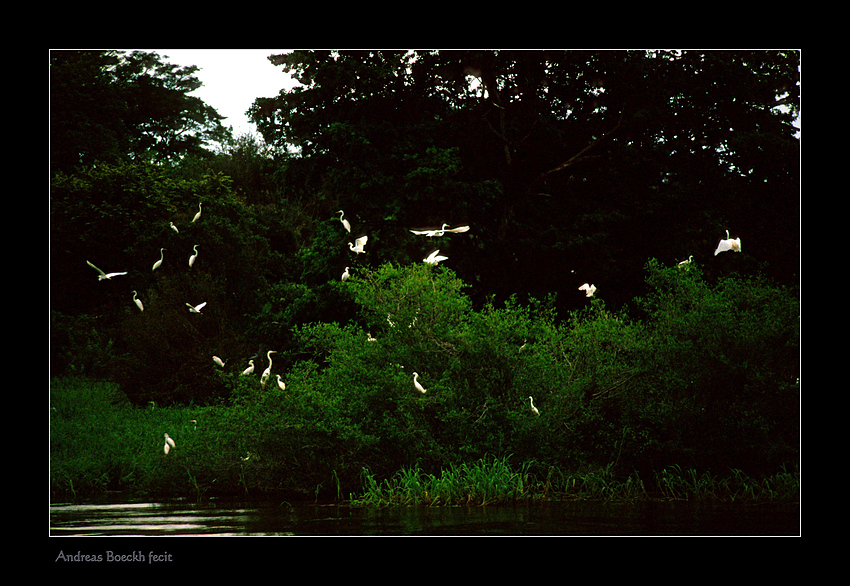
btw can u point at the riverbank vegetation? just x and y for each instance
(677, 375)
(703, 386)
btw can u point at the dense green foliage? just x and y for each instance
(570, 167)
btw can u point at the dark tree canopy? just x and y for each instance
(113, 106)
(589, 161)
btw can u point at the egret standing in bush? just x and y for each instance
(533, 408)
(218, 361)
(249, 370)
(198, 215)
(138, 302)
(345, 274)
(416, 384)
(267, 372)
(169, 443)
(157, 264)
(173, 227)
(194, 256)
(280, 384)
(345, 223)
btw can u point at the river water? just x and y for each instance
(649, 518)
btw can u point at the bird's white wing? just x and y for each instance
(723, 246)
(95, 268)
(459, 229)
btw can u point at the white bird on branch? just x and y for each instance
(198, 215)
(416, 384)
(533, 408)
(345, 223)
(358, 245)
(169, 443)
(157, 264)
(138, 302)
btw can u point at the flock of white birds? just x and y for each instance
(358, 247)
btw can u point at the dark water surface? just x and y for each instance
(549, 518)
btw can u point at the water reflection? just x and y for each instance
(553, 518)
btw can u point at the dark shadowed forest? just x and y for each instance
(617, 282)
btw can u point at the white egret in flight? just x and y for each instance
(345, 223)
(416, 384)
(198, 215)
(533, 408)
(159, 262)
(138, 302)
(439, 232)
(280, 384)
(173, 227)
(434, 258)
(250, 369)
(345, 274)
(591, 289)
(197, 308)
(358, 245)
(733, 244)
(218, 361)
(267, 372)
(103, 275)
(169, 443)
(194, 256)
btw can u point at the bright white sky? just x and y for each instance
(233, 79)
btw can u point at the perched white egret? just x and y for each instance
(169, 443)
(416, 384)
(194, 256)
(389, 321)
(434, 258)
(159, 262)
(733, 244)
(173, 227)
(267, 372)
(138, 302)
(590, 289)
(687, 261)
(358, 245)
(280, 384)
(369, 338)
(345, 274)
(250, 369)
(197, 308)
(345, 223)
(533, 408)
(218, 361)
(198, 215)
(101, 276)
